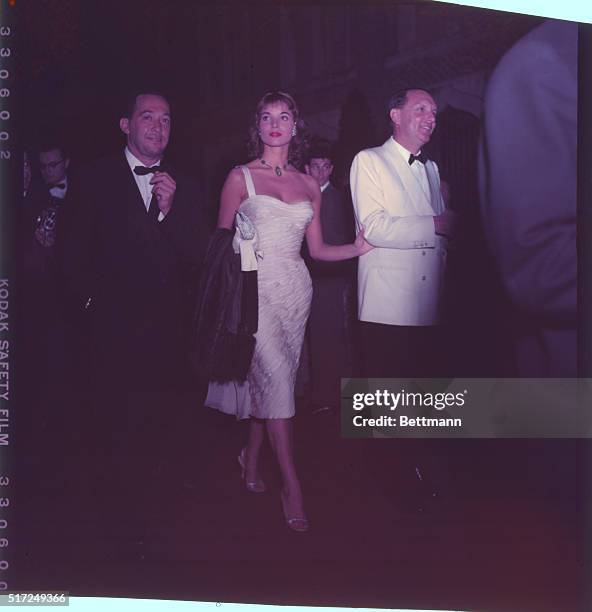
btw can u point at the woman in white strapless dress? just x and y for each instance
(283, 204)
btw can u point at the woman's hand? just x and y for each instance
(361, 245)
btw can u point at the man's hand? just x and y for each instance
(445, 224)
(164, 190)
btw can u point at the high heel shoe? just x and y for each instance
(255, 486)
(295, 524)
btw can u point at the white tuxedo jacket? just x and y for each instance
(400, 281)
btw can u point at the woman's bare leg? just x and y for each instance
(280, 432)
(256, 435)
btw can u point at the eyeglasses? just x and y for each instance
(51, 165)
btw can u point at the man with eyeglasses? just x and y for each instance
(48, 348)
(53, 164)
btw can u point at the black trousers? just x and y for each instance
(330, 344)
(396, 351)
(392, 351)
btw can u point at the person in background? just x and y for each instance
(329, 330)
(528, 176)
(528, 182)
(47, 349)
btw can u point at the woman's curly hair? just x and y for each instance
(298, 144)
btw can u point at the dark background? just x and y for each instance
(506, 539)
(341, 61)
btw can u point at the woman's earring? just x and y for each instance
(294, 131)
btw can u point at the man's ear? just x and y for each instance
(395, 115)
(124, 125)
(307, 169)
(67, 163)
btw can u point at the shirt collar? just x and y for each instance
(404, 152)
(60, 192)
(323, 187)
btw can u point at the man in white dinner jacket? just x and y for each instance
(398, 204)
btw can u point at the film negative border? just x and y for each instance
(10, 198)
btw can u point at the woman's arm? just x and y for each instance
(326, 252)
(232, 195)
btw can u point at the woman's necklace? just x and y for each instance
(278, 169)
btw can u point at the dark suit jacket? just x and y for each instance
(39, 210)
(337, 223)
(337, 217)
(41, 314)
(41, 294)
(327, 335)
(137, 273)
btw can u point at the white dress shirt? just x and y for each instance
(143, 182)
(417, 168)
(58, 193)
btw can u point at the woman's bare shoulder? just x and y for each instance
(234, 185)
(235, 176)
(310, 184)
(309, 181)
(254, 164)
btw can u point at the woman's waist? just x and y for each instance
(285, 255)
(287, 268)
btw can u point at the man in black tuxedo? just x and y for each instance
(46, 349)
(43, 202)
(131, 254)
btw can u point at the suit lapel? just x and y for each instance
(437, 203)
(416, 194)
(140, 228)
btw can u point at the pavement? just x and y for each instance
(501, 535)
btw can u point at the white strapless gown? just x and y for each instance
(285, 292)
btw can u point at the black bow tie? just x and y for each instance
(59, 186)
(143, 170)
(422, 157)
